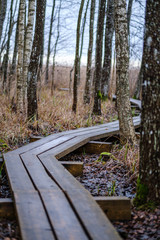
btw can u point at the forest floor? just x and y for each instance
(102, 177)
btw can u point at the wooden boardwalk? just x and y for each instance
(50, 203)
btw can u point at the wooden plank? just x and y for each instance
(32, 218)
(96, 223)
(95, 147)
(75, 168)
(58, 209)
(7, 208)
(69, 146)
(62, 217)
(50, 146)
(116, 208)
(94, 220)
(37, 173)
(17, 175)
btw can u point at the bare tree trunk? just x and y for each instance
(87, 94)
(149, 171)
(98, 60)
(40, 69)
(28, 47)
(55, 49)
(3, 10)
(122, 72)
(34, 60)
(49, 44)
(76, 62)
(13, 65)
(20, 57)
(108, 48)
(129, 13)
(5, 71)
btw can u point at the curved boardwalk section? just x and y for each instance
(50, 203)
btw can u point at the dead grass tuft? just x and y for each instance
(55, 115)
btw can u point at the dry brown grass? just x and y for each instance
(55, 114)
(128, 154)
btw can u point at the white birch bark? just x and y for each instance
(20, 57)
(122, 72)
(28, 46)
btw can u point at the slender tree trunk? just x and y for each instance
(55, 49)
(150, 131)
(129, 13)
(49, 44)
(122, 72)
(13, 66)
(5, 73)
(98, 60)
(76, 62)
(40, 69)
(87, 94)
(34, 60)
(3, 10)
(108, 48)
(20, 57)
(138, 89)
(28, 47)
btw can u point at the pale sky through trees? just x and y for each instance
(68, 22)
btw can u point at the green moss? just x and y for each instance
(141, 195)
(99, 94)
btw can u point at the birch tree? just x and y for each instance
(122, 72)
(98, 60)
(87, 93)
(3, 9)
(34, 60)
(106, 72)
(49, 43)
(20, 57)
(28, 46)
(149, 172)
(76, 62)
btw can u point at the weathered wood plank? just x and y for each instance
(62, 217)
(7, 208)
(75, 168)
(32, 218)
(68, 147)
(51, 146)
(94, 220)
(37, 173)
(17, 175)
(59, 211)
(96, 147)
(116, 208)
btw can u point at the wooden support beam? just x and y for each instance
(35, 138)
(116, 208)
(6, 208)
(96, 147)
(75, 168)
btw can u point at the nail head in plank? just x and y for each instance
(116, 208)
